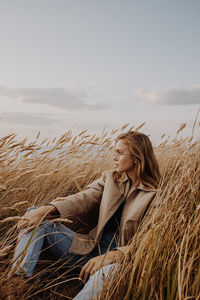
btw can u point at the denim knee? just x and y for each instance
(47, 225)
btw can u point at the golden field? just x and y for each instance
(164, 257)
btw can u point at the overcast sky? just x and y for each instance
(94, 64)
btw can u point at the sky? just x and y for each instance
(97, 65)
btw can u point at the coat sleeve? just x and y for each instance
(80, 203)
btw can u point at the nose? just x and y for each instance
(115, 157)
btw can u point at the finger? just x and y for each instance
(83, 271)
(84, 268)
(21, 225)
(87, 271)
(30, 228)
(95, 268)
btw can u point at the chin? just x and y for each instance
(119, 170)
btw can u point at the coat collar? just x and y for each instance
(124, 178)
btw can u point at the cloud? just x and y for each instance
(28, 119)
(58, 97)
(170, 96)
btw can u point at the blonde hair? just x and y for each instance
(147, 168)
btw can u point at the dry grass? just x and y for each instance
(163, 262)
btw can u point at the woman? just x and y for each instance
(122, 197)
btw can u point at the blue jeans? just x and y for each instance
(94, 284)
(57, 238)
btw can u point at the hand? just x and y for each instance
(33, 217)
(98, 262)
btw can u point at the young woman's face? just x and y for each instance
(124, 161)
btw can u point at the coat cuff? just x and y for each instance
(59, 205)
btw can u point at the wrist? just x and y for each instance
(51, 209)
(47, 210)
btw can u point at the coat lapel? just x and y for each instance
(118, 191)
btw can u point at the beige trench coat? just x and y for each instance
(107, 192)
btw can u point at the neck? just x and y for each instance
(133, 178)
